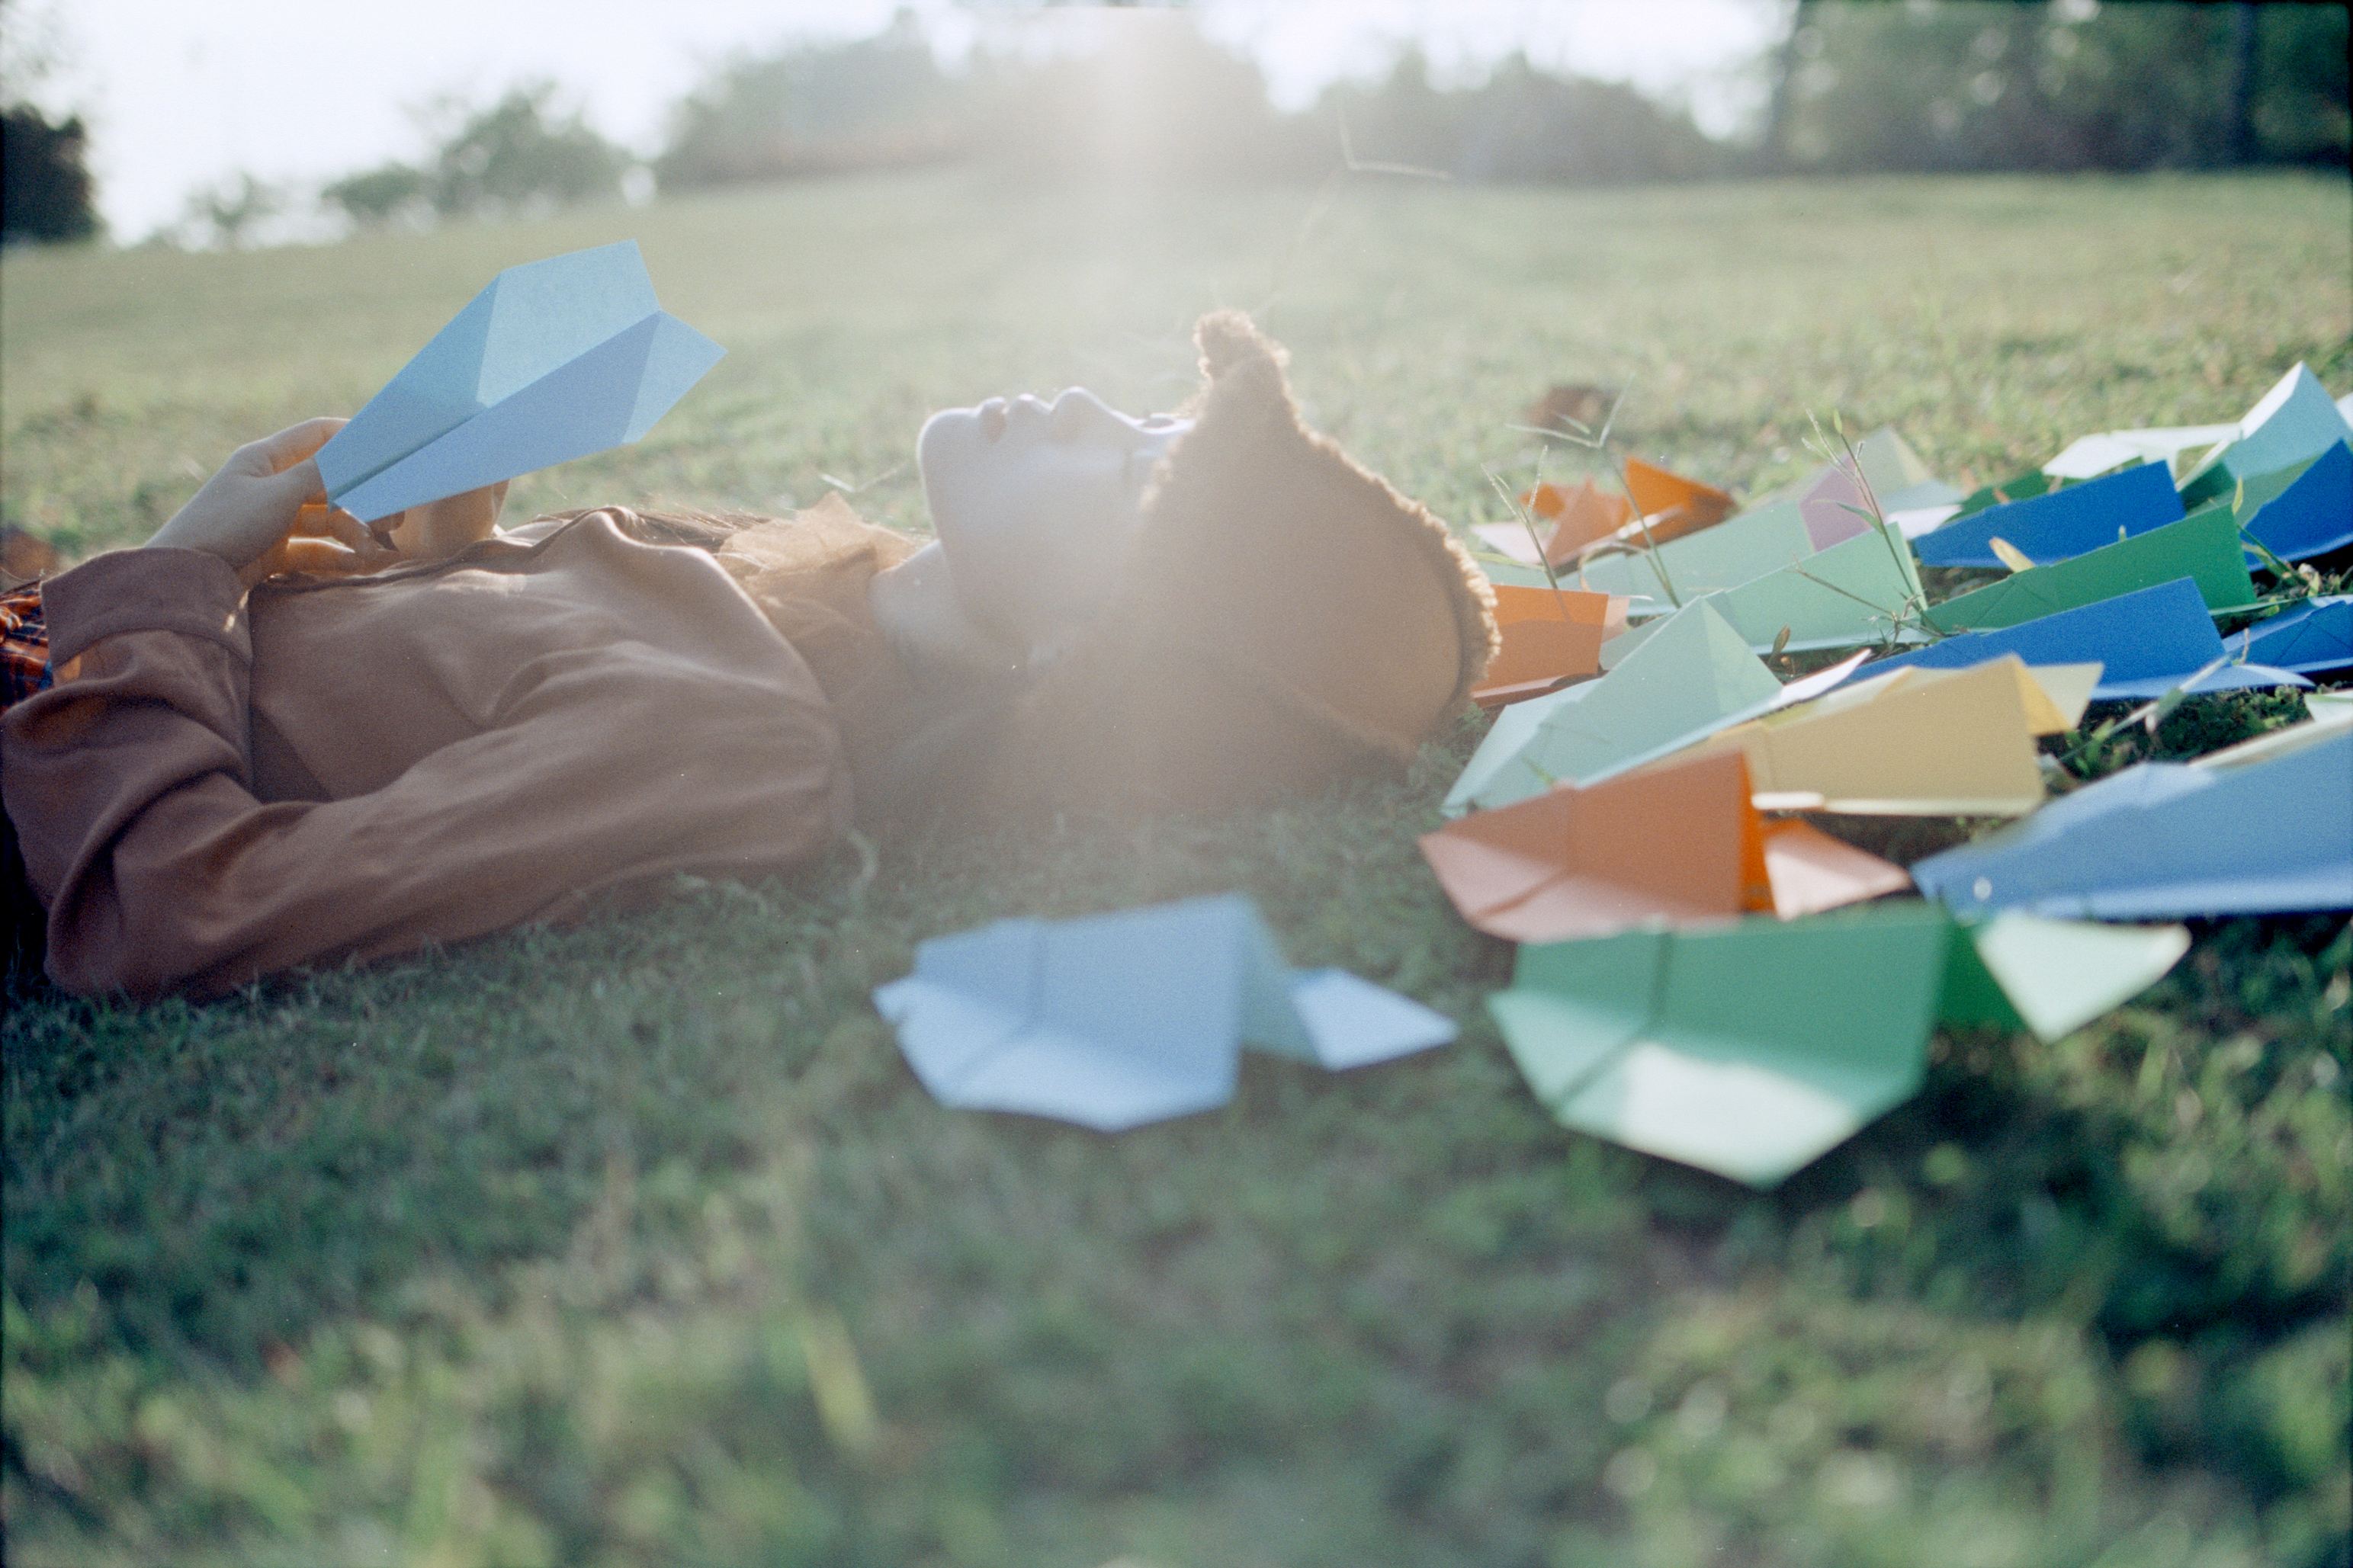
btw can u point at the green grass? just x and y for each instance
(635, 1242)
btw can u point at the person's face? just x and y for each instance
(1035, 504)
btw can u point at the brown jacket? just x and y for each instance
(222, 785)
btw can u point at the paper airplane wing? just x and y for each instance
(1353, 1023)
(606, 397)
(532, 348)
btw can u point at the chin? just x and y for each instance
(947, 448)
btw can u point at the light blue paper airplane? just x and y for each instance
(2059, 523)
(1112, 1021)
(2147, 643)
(2299, 513)
(555, 360)
(2293, 423)
(2313, 636)
(2263, 829)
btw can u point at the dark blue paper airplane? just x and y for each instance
(2059, 523)
(2146, 643)
(2312, 515)
(2315, 635)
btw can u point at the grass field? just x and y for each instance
(635, 1242)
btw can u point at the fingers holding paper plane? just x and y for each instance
(247, 514)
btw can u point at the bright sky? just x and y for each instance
(181, 94)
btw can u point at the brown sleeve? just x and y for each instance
(129, 782)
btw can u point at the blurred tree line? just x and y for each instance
(1861, 87)
(45, 186)
(526, 152)
(1154, 99)
(1853, 86)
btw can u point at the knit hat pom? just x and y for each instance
(1228, 338)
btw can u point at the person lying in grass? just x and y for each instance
(250, 749)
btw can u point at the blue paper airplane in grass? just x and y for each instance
(2314, 637)
(1112, 1021)
(2146, 644)
(2261, 828)
(2311, 513)
(2059, 523)
(555, 360)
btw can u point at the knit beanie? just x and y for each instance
(1283, 618)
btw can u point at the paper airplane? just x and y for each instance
(1550, 637)
(1752, 1049)
(554, 360)
(1737, 551)
(1575, 515)
(2294, 423)
(1852, 593)
(1584, 517)
(2089, 456)
(1835, 507)
(2264, 828)
(2203, 547)
(1897, 476)
(1114, 1020)
(1914, 521)
(2312, 638)
(2148, 643)
(2059, 523)
(1672, 505)
(1918, 743)
(2300, 512)
(1677, 842)
(1692, 678)
(2017, 486)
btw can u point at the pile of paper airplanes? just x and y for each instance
(1689, 980)
(1693, 981)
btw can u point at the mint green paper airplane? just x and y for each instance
(1851, 594)
(554, 360)
(1735, 551)
(2203, 547)
(1753, 1048)
(1690, 678)
(1898, 479)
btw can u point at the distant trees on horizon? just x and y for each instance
(1930, 86)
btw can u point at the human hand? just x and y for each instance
(245, 513)
(439, 530)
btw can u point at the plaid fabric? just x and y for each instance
(23, 646)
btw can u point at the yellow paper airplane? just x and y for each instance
(1915, 743)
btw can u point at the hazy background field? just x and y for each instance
(636, 1242)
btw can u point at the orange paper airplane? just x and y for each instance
(1680, 842)
(1672, 505)
(1551, 636)
(1581, 514)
